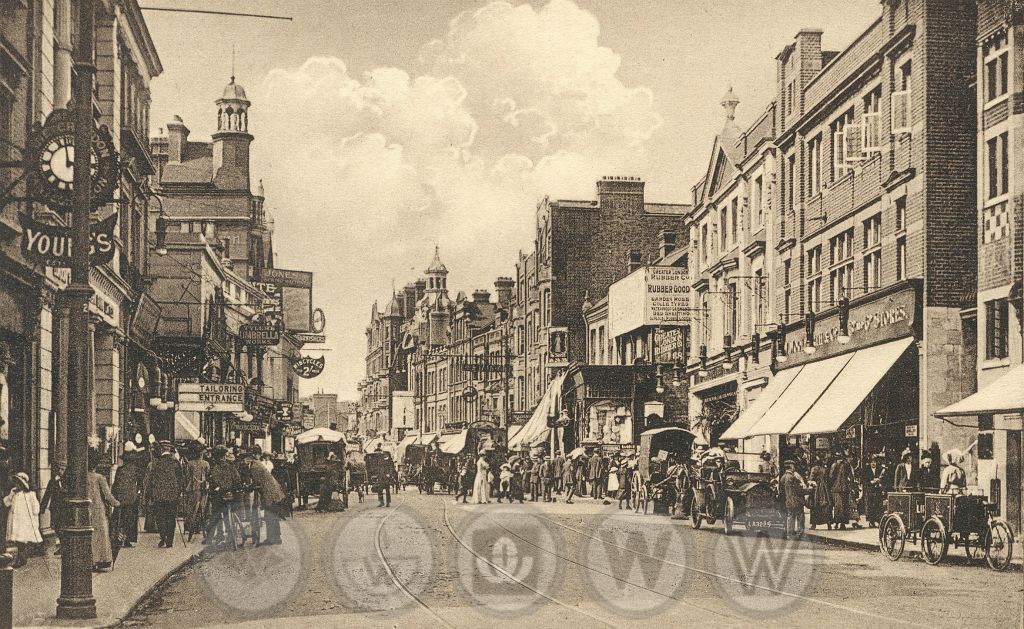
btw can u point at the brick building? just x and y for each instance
(581, 248)
(873, 255)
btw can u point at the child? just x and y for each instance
(23, 519)
(505, 488)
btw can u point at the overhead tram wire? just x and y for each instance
(221, 13)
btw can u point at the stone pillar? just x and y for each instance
(107, 370)
(45, 461)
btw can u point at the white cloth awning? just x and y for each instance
(853, 384)
(427, 438)
(186, 425)
(1005, 395)
(740, 428)
(320, 434)
(799, 396)
(454, 443)
(536, 430)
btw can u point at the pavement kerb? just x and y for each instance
(134, 607)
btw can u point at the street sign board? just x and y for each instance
(305, 337)
(259, 334)
(211, 396)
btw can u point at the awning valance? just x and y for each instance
(799, 396)
(454, 443)
(536, 430)
(1005, 395)
(768, 396)
(853, 384)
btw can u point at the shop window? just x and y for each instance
(997, 314)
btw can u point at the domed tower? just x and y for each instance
(437, 276)
(232, 139)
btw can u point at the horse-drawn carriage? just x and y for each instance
(421, 467)
(938, 520)
(319, 454)
(657, 445)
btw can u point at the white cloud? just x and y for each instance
(513, 103)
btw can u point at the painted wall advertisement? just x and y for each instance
(653, 295)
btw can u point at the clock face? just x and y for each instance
(52, 148)
(57, 162)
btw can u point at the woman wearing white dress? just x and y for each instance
(482, 486)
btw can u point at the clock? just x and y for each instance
(51, 149)
(57, 162)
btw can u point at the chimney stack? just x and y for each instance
(634, 261)
(504, 286)
(177, 139)
(481, 296)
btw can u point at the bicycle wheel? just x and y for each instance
(893, 537)
(934, 543)
(998, 545)
(695, 516)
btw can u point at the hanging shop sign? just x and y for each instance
(211, 397)
(308, 367)
(307, 338)
(558, 343)
(259, 334)
(51, 160)
(51, 244)
(319, 321)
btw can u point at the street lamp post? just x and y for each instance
(76, 599)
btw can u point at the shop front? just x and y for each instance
(612, 404)
(17, 391)
(847, 387)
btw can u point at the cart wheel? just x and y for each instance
(934, 544)
(998, 545)
(730, 513)
(881, 527)
(972, 545)
(893, 537)
(642, 498)
(695, 517)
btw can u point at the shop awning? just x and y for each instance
(454, 443)
(1005, 395)
(853, 384)
(536, 430)
(740, 428)
(799, 396)
(186, 425)
(426, 438)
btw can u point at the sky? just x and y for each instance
(384, 128)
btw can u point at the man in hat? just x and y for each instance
(794, 490)
(127, 488)
(163, 491)
(594, 474)
(224, 483)
(559, 465)
(547, 478)
(905, 472)
(271, 497)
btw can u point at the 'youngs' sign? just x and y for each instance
(51, 244)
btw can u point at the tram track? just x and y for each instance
(394, 577)
(745, 583)
(573, 608)
(612, 576)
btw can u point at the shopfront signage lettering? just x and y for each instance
(651, 296)
(52, 244)
(306, 338)
(910, 430)
(259, 334)
(211, 397)
(308, 367)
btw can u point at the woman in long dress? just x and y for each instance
(482, 486)
(102, 503)
(821, 507)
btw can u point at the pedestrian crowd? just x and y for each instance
(216, 492)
